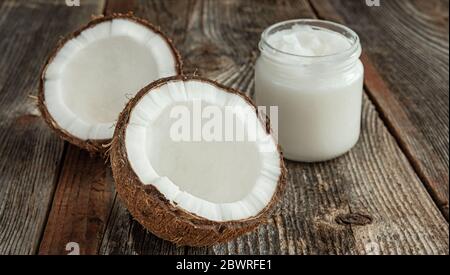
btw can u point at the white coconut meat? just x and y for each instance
(216, 180)
(89, 81)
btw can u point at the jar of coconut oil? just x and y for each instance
(311, 70)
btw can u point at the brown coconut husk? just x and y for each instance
(150, 208)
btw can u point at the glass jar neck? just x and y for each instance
(339, 61)
(308, 67)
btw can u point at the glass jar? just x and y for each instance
(319, 98)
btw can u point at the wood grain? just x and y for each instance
(407, 59)
(81, 205)
(375, 180)
(126, 236)
(30, 153)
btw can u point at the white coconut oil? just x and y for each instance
(311, 70)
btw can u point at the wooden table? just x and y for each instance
(389, 195)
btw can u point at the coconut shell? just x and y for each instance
(164, 219)
(93, 146)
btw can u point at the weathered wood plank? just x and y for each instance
(375, 180)
(81, 205)
(406, 60)
(30, 152)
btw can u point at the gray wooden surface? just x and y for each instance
(407, 43)
(389, 195)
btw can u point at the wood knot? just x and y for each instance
(207, 58)
(354, 219)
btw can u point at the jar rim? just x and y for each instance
(354, 49)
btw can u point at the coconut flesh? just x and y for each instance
(94, 73)
(194, 192)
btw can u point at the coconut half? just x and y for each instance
(194, 192)
(93, 73)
